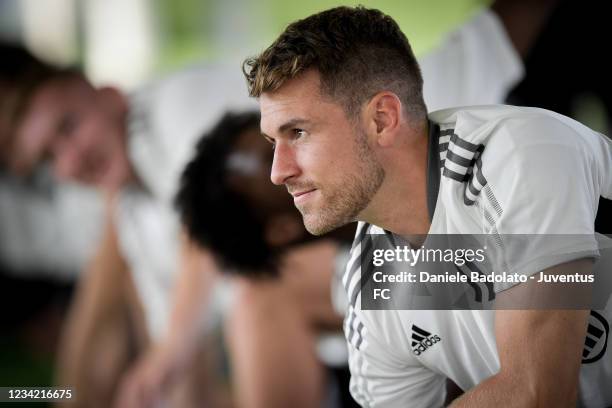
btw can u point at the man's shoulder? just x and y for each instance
(503, 131)
(468, 119)
(504, 156)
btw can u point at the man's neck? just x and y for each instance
(400, 205)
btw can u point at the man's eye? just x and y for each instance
(299, 132)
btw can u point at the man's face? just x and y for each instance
(322, 158)
(79, 129)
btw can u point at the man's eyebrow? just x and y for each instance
(292, 123)
(286, 126)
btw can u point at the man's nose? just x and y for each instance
(284, 165)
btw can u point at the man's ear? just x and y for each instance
(383, 115)
(283, 229)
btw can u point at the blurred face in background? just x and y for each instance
(249, 167)
(80, 129)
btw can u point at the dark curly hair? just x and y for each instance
(215, 215)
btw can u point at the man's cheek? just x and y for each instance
(312, 166)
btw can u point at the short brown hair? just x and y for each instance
(358, 52)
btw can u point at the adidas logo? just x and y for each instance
(422, 340)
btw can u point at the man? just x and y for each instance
(365, 150)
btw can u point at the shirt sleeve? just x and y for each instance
(542, 192)
(475, 65)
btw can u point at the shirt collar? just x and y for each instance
(433, 168)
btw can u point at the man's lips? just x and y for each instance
(299, 197)
(301, 193)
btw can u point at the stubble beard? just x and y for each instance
(349, 195)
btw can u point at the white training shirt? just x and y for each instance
(503, 170)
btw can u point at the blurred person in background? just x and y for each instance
(35, 210)
(41, 249)
(131, 148)
(283, 278)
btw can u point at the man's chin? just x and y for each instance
(317, 226)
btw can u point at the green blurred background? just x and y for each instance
(189, 25)
(127, 42)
